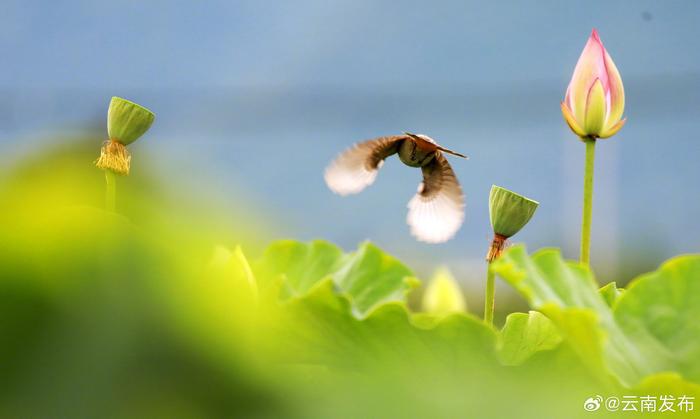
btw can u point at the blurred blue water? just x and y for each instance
(254, 99)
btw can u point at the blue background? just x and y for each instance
(253, 99)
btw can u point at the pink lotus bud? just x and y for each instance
(595, 98)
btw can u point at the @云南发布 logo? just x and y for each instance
(592, 403)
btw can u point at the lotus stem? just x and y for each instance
(587, 201)
(110, 191)
(509, 212)
(490, 301)
(497, 245)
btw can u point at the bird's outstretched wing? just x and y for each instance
(436, 212)
(356, 168)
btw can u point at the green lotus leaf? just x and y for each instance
(611, 293)
(662, 308)
(300, 265)
(525, 334)
(322, 328)
(650, 330)
(368, 276)
(668, 383)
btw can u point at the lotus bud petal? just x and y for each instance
(443, 295)
(595, 108)
(595, 98)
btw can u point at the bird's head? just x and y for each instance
(419, 137)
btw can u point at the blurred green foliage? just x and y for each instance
(155, 312)
(443, 295)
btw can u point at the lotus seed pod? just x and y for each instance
(127, 121)
(509, 211)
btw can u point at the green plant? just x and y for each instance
(593, 108)
(132, 317)
(201, 329)
(644, 331)
(126, 123)
(509, 212)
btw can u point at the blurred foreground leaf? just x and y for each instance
(144, 314)
(102, 319)
(668, 383)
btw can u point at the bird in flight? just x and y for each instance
(436, 212)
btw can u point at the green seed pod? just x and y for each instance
(509, 211)
(127, 121)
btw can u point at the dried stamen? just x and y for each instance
(497, 246)
(115, 157)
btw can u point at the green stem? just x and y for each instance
(111, 191)
(490, 295)
(587, 201)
